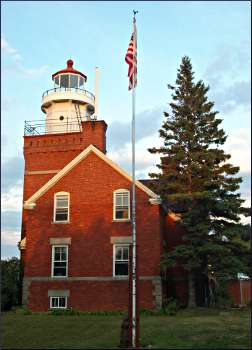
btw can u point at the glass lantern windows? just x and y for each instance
(81, 83)
(73, 81)
(56, 81)
(64, 81)
(69, 81)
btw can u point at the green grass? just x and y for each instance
(197, 329)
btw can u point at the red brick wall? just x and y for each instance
(91, 184)
(177, 285)
(54, 151)
(234, 289)
(90, 295)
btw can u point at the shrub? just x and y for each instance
(170, 306)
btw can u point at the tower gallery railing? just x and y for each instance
(52, 126)
(63, 89)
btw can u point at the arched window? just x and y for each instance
(61, 207)
(121, 205)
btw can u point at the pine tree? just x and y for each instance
(197, 181)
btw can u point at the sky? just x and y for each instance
(37, 38)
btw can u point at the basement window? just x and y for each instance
(59, 260)
(121, 210)
(58, 302)
(121, 260)
(61, 207)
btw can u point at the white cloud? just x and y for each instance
(10, 238)
(12, 200)
(17, 57)
(238, 145)
(8, 49)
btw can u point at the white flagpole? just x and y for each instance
(134, 284)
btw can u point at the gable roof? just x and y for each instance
(31, 202)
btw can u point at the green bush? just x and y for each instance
(74, 312)
(170, 306)
(222, 296)
(10, 283)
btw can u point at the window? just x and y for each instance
(81, 83)
(59, 261)
(121, 205)
(58, 302)
(56, 81)
(73, 81)
(64, 81)
(121, 260)
(61, 207)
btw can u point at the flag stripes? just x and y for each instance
(131, 58)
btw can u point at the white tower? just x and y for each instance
(68, 103)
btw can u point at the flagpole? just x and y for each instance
(134, 255)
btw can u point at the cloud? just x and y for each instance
(12, 173)
(147, 123)
(228, 61)
(12, 200)
(229, 98)
(224, 74)
(10, 237)
(238, 144)
(8, 103)
(11, 221)
(16, 65)
(7, 49)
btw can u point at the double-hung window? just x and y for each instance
(58, 302)
(59, 261)
(121, 260)
(121, 205)
(61, 207)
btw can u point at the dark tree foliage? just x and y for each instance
(197, 181)
(10, 283)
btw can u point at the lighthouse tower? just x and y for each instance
(69, 127)
(67, 103)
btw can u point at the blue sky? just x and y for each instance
(38, 37)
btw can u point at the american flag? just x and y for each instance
(131, 57)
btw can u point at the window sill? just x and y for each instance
(121, 277)
(59, 277)
(60, 222)
(121, 220)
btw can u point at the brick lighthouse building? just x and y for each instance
(76, 224)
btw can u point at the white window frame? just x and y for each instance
(59, 76)
(121, 190)
(58, 307)
(114, 258)
(53, 253)
(54, 207)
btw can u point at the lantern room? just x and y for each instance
(68, 102)
(69, 77)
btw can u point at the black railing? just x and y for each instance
(62, 89)
(52, 126)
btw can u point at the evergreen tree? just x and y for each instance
(197, 181)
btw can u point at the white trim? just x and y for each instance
(121, 239)
(119, 245)
(58, 307)
(22, 243)
(68, 208)
(52, 261)
(72, 164)
(173, 216)
(155, 201)
(121, 190)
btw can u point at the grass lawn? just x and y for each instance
(195, 329)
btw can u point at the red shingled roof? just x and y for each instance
(70, 69)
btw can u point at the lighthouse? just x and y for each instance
(67, 103)
(76, 219)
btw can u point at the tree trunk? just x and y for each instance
(191, 291)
